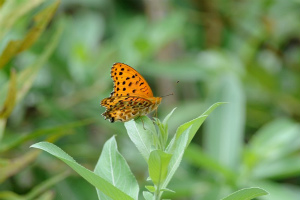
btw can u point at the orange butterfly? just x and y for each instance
(131, 97)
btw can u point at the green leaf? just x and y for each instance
(158, 166)
(268, 152)
(9, 103)
(15, 47)
(278, 191)
(36, 191)
(246, 194)
(49, 195)
(282, 168)
(195, 155)
(194, 124)
(181, 144)
(14, 166)
(41, 21)
(148, 195)
(166, 120)
(113, 168)
(167, 190)
(7, 145)
(9, 195)
(100, 183)
(150, 188)
(27, 76)
(164, 129)
(46, 185)
(1, 3)
(14, 10)
(275, 140)
(142, 138)
(224, 130)
(2, 127)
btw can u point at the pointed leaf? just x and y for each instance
(10, 195)
(278, 191)
(195, 155)
(36, 191)
(142, 138)
(277, 139)
(9, 103)
(246, 194)
(46, 185)
(7, 145)
(166, 120)
(113, 168)
(194, 124)
(180, 146)
(100, 183)
(1, 3)
(15, 47)
(49, 195)
(2, 127)
(148, 195)
(164, 128)
(13, 11)
(41, 21)
(224, 131)
(158, 166)
(14, 166)
(167, 190)
(150, 188)
(283, 168)
(27, 76)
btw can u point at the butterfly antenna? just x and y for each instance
(171, 93)
(168, 95)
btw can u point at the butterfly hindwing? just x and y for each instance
(126, 108)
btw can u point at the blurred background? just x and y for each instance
(243, 52)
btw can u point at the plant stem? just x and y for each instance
(157, 193)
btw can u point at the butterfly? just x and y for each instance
(131, 97)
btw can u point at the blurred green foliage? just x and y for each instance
(54, 70)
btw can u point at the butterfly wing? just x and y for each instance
(123, 109)
(131, 97)
(128, 82)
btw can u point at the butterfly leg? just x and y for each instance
(143, 123)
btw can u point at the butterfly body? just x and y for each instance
(132, 96)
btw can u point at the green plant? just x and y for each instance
(112, 176)
(21, 14)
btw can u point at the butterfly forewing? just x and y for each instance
(128, 82)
